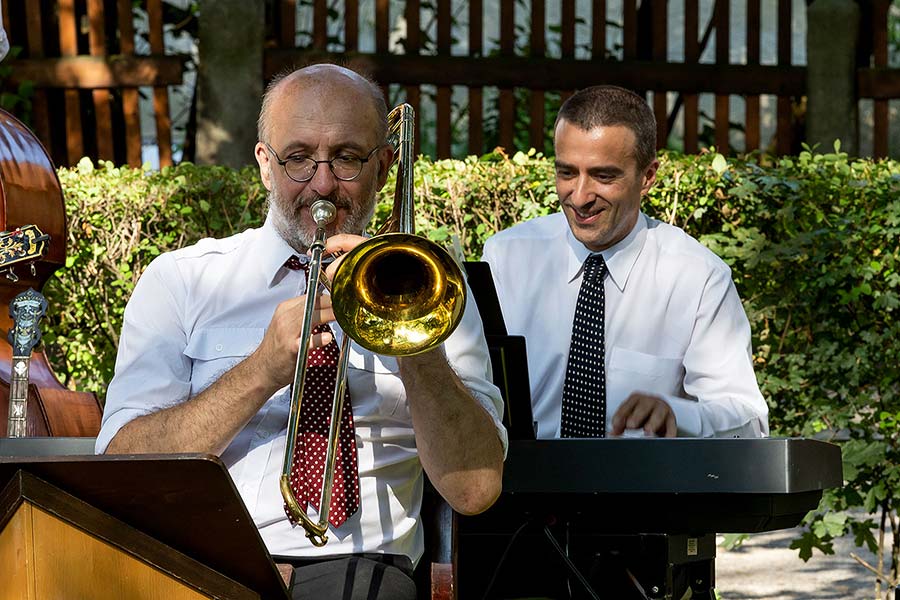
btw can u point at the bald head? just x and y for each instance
(327, 80)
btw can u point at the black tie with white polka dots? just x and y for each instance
(584, 391)
(314, 421)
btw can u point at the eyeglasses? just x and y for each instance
(345, 167)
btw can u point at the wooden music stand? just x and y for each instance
(164, 526)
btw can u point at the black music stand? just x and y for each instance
(509, 358)
(186, 503)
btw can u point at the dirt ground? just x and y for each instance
(765, 567)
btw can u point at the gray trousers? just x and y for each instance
(366, 577)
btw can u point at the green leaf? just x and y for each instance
(719, 164)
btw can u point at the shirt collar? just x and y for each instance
(272, 252)
(620, 257)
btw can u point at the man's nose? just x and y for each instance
(582, 191)
(323, 181)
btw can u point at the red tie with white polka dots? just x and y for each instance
(315, 414)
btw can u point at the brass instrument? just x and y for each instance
(397, 294)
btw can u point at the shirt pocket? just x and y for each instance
(213, 352)
(632, 371)
(375, 385)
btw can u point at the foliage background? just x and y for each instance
(812, 241)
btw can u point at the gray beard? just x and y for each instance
(291, 229)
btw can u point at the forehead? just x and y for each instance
(602, 145)
(323, 114)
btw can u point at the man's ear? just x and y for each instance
(649, 177)
(385, 159)
(262, 159)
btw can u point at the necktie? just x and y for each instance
(584, 390)
(308, 464)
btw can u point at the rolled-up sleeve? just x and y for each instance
(468, 354)
(151, 371)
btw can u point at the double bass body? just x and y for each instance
(30, 194)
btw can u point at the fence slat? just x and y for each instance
(538, 49)
(476, 110)
(881, 130)
(287, 32)
(752, 106)
(507, 98)
(40, 115)
(629, 29)
(160, 93)
(660, 47)
(102, 109)
(598, 29)
(722, 60)
(68, 46)
(444, 133)
(567, 38)
(130, 100)
(320, 24)
(382, 18)
(351, 25)
(413, 44)
(691, 55)
(784, 126)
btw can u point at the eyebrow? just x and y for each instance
(295, 147)
(597, 170)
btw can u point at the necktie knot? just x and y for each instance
(594, 267)
(294, 264)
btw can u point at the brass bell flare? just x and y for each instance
(398, 294)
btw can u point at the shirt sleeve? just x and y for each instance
(152, 371)
(723, 395)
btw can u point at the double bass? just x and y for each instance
(32, 248)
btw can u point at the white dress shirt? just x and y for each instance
(674, 325)
(197, 312)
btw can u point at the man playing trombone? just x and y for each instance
(209, 349)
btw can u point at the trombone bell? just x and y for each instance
(398, 294)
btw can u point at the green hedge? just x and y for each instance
(812, 241)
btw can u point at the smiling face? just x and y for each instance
(322, 113)
(599, 182)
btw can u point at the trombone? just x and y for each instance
(396, 294)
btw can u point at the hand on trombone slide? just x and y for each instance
(277, 353)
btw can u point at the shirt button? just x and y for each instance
(219, 347)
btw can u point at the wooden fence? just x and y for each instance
(527, 77)
(80, 56)
(480, 88)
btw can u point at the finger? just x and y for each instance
(324, 315)
(641, 412)
(333, 267)
(622, 414)
(341, 243)
(318, 340)
(671, 425)
(656, 422)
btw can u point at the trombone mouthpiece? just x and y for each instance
(322, 212)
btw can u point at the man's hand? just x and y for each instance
(643, 411)
(277, 353)
(338, 245)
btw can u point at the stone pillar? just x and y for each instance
(229, 80)
(832, 110)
